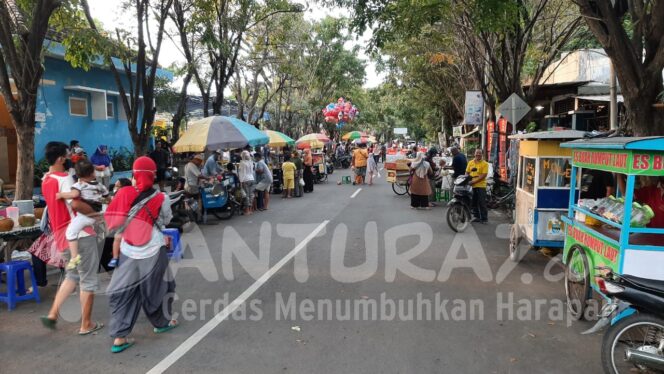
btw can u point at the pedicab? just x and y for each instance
(613, 233)
(542, 191)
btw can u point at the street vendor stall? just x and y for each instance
(542, 190)
(620, 233)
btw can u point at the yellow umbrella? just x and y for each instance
(352, 135)
(279, 139)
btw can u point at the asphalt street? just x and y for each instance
(347, 279)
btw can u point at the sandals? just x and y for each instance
(98, 326)
(48, 323)
(171, 325)
(117, 348)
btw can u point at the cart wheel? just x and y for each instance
(399, 189)
(515, 243)
(226, 212)
(577, 281)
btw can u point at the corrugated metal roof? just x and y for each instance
(544, 135)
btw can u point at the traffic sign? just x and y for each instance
(514, 109)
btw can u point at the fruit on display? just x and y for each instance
(6, 224)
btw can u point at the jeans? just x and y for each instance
(479, 204)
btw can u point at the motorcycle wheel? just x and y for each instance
(577, 282)
(400, 189)
(224, 213)
(458, 217)
(640, 332)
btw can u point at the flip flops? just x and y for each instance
(98, 326)
(122, 347)
(171, 325)
(48, 323)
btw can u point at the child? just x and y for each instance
(122, 182)
(288, 168)
(92, 193)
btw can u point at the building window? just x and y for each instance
(110, 111)
(78, 106)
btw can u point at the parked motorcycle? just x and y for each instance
(342, 162)
(634, 342)
(458, 209)
(184, 215)
(219, 199)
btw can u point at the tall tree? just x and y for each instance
(23, 29)
(632, 34)
(139, 60)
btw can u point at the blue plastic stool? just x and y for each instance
(175, 251)
(16, 283)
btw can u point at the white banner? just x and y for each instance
(473, 108)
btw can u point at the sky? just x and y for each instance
(111, 16)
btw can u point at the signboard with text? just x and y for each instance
(620, 161)
(473, 108)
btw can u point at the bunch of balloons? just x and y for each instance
(340, 113)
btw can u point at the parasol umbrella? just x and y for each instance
(312, 141)
(352, 135)
(279, 139)
(365, 139)
(219, 132)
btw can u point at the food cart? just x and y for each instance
(617, 242)
(542, 190)
(398, 174)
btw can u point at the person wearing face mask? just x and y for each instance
(143, 280)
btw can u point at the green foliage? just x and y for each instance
(121, 158)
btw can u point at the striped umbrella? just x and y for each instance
(219, 132)
(312, 141)
(279, 139)
(352, 135)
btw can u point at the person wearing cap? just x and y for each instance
(193, 175)
(212, 168)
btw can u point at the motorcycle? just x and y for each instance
(329, 165)
(219, 198)
(458, 209)
(634, 342)
(184, 216)
(342, 162)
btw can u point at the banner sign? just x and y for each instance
(473, 108)
(457, 131)
(618, 161)
(597, 246)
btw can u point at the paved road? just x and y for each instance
(303, 314)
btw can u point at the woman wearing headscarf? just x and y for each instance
(307, 173)
(103, 166)
(143, 279)
(419, 185)
(247, 179)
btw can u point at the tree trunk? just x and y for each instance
(182, 107)
(642, 118)
(25, 170)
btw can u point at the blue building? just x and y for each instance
(71, 104)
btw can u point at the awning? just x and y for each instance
(477, 129)
(605, 98)
(116, 93)
(85, 89)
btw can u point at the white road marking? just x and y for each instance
(355, 193)
(199, 335)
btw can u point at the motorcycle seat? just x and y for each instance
(647, 285)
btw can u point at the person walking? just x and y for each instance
(103, 165)
(60, 214)
(307, 173)
(431, 153)
(420, 189)
(247, 172)
(376, 153)
(263, 182)
(299, 165)
(478, 169)
(372, 170)
(143, 280)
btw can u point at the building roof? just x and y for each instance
(647, 143)
(550, 135)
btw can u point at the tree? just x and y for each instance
(23, 29)
(632, 34)
(139, 60)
